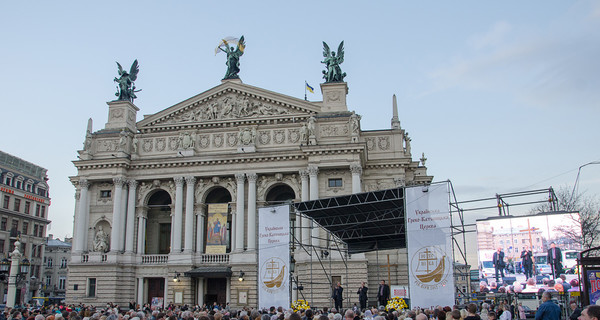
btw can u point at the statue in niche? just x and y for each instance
(303, 134)
(332, 63)
(134, 144)
(354, 124)
(311, 126)
(101, 240)
(123, 140)
(233, 56)
(125, 83)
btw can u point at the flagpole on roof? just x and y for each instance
(305, 83)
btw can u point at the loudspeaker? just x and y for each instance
(509, 280)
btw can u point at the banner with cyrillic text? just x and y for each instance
(274, 256)
(429, 246)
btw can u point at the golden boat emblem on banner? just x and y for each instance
(274, 273)
(430, 265)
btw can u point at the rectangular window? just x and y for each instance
(25, 227)
(15, 225)
(27, 207)
(105, 194)
(43, 212)
(35, 229)
(2, 250)
(48, 280)
(91, 287)
(9, 181)
(3, 223)
(62, 282)
(37, 210)
(49, 263)
(63, 263)
(6, 201)
(335, 183)
(41, 231)
(17, 205)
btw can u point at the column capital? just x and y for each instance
(84, 183)
(240, 177)
(303, 174)
(356, 168)
(119, 181)
(179, 181)
(252, 177)
(132, 183)
(190, 180)
(313, 170)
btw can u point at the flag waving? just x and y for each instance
(309, 88)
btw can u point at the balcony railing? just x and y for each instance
(155, 258)
(215, 258)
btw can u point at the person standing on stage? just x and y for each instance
(337, 296)
(362, 296)
(555, 259)
(527, 262)
(383, 294)
(498, 260)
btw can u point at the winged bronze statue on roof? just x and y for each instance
(332, 62)
(125, 82)
(233, 55)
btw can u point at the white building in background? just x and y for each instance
(144, 192)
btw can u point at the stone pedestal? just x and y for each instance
(121, 114)
(334, 96)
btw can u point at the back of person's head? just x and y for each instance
(411, 314)
(455, 314)
(421, 316)
(309, 313)
(323, 317)
(442, 315)
(491, 315)
(472, 308)
(337, 316)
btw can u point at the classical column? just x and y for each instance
(117, 218)
(239, 224)
(141, 246)
(81, 225)
(124, 199)
(313, 171)
(252, 177)
(356, 170)
(200, 229)
(140, 291)
(305, 222)
(178, 219)
(130, 216)
(189, 214)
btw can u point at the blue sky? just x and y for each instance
(500, 96)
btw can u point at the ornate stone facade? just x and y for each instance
(149, 187)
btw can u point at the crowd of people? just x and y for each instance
(503, 310)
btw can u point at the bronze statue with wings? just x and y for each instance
(332, 62)
(125, 82)
(233, 56)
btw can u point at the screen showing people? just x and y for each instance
(519, 248)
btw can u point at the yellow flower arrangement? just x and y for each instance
(300, 305)
(396, 303)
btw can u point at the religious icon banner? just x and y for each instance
(429, 244)
(216, 228)
(274, 257)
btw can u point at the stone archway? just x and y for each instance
(278, 194)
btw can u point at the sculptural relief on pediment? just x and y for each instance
(230, 106)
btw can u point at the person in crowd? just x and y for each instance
(548, 310)
(591, 312)
(506, 315)
(575, 310)
(472, 312)
(337, 296)
(527, 262)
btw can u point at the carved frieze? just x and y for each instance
(264, 137)
(218, 140)
(370, 143)
(204, 141)
(334, 130)
(293, 135)
(230, 106)
(173, 143)
(232, 139)
(160, 144)
(109, 145)
(279, 136)
(147, 145)
(384, 143)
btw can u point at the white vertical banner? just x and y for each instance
(429, 242)
(274, 257)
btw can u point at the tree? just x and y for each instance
(586, 224)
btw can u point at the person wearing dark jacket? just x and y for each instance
(337, 296)
(383, 293)
(362, 296)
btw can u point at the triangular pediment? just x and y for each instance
(230, 101)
